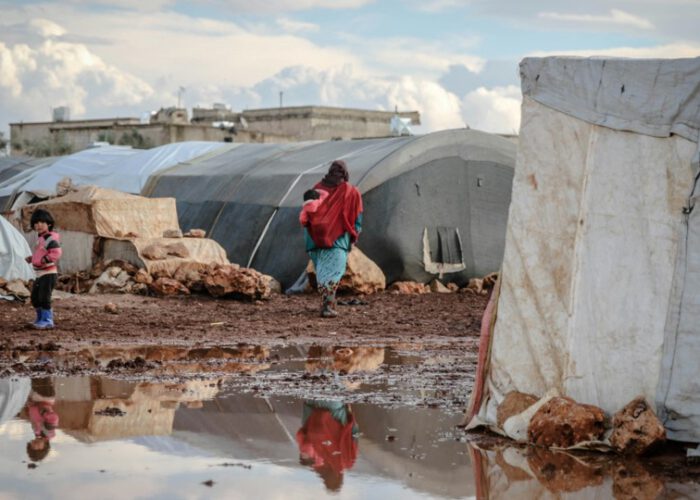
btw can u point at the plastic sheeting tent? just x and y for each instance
(434, 204)
(13, 250)
(600, 284)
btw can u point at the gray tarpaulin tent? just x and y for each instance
(600, 295)
(434, 204)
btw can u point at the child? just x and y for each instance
(312, 200)
(43, 417)
(44, 260)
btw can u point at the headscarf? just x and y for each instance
(337, 174)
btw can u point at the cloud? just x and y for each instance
(292, 26)
(615, 16)
(494, 110)
(670, 51)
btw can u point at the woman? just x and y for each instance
(331, 230)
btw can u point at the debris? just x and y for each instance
(636, 428)
(232, 280)
(172, 233)
(437, 287)
(111, 308)
(514, 403)
(195, 233)
(562, 422)
(408, 288)
(168, 286)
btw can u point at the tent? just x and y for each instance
(601, 273)
(13, 250)
(434, 205)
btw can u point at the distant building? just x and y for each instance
(308, 123)
(219, 123)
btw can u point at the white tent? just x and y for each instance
(600, 292)
(13, 250)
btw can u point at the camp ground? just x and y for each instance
(537, 336)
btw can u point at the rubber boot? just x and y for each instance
(328, 309)
(45, 320)
(38, 317)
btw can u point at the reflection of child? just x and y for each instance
(44, 260)
(312, 200)
(43, 418)
(328, 440)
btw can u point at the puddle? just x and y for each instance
(105, 438)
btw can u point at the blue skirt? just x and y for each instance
(330, 264)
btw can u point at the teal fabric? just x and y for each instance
(329, 264)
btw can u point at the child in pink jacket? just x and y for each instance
(312, 200)
(44, 260)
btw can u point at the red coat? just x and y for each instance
(336, 215)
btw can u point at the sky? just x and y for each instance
(454, 61)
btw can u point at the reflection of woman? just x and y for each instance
(43, 418)
(328, 440)
(331, 230)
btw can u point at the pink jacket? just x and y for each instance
(47, 252)
(310, 206)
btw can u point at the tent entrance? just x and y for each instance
(442, 250)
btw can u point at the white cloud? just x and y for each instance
(615, 16)
(494, 110)
(292, 26)
(670, 51)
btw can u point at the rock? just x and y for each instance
(636, 428)
(408, 288)
(437, 287)
(122, 264)
(230, 280)
(112, 280)
(154, 252)
(481, 286)
(191, 274)
(168, 286)
(111, 308)
(515, 402)
(3, 282)
(18, 289)
(453, 287)
(195, 233)
(142, 277)
(275, 285)
(178, 250)
(562, 422)
(172, 233)
(139, 289)
(362, 275)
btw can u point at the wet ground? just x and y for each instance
(190, 398)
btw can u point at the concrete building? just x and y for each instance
(308, 123)
(218, 123)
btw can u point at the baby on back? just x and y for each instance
(312, 200)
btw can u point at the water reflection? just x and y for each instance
(328, 440)
(44, 419)
(140, 438)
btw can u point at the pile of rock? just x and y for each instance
(16, 289)
(217, 280)
(476, 286)
(561, 422)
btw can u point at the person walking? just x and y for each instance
(331, 230)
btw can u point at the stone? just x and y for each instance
(362, 275)
(562, 422)
(3, 282)
(122, 264)
(408, 288)
(453, 287)
(195, 233)
(231, 280)
(142, 276)
(154, 252)
(514, 403)
(111, 308)
(168, 286)
(631, 481)
(636, 428)
(18, 289)
(178, 250)
(172, 233)
(437, 287)
(112, 280)
(191, 274)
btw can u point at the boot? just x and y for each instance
(45, 320)
(328, 309)
(38, 317)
